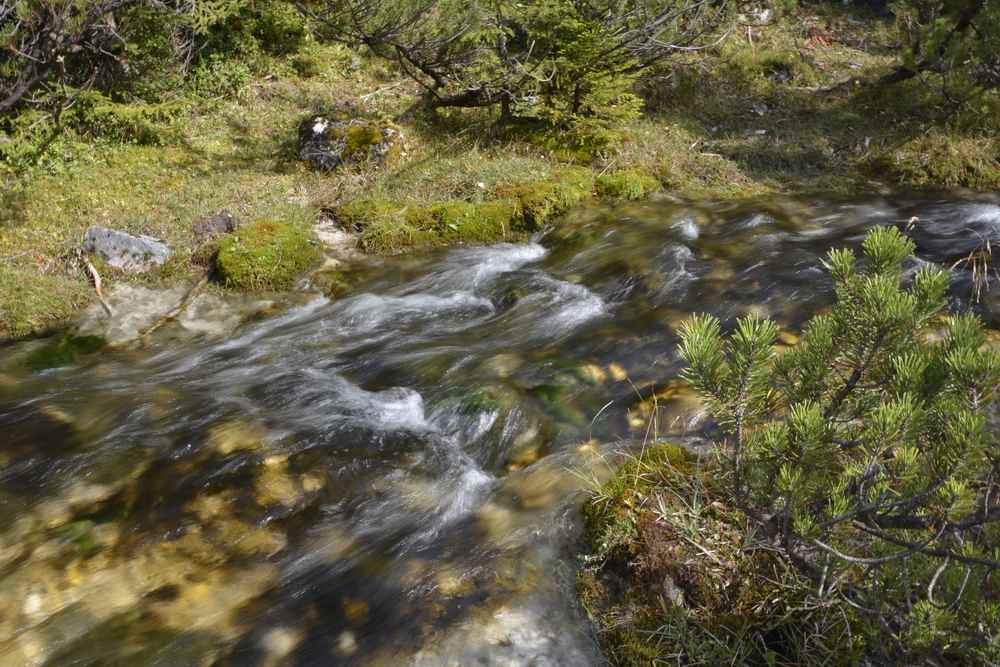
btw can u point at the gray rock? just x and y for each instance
(124, 251)
(327, 144)
(214, 226)
(337, 243)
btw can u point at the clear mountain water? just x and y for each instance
(394, 477)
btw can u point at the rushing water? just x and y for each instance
(391, 478)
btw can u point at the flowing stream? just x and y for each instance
(394, 477)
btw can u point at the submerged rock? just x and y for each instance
(123, 251)
(327, 143)
(137, 309)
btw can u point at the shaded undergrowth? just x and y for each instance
(675, 575)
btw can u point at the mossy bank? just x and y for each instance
(759, 114)
(669, 577)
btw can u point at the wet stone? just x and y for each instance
(236, 435)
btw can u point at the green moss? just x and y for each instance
(451, 216)
(387, 227)
(539, 202)
(942, 160)
(360, 137)
(266, 255)
(628, 184)
(387, 236)
(463, 221)
(494, 221)
(358, 214)
(64, 351)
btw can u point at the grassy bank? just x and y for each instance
(672, 576)
(751, 117)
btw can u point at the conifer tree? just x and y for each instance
(559, 60)
(864, 454)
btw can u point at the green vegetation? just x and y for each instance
(865, 448)
(265, 255)
(389, 226)
(856, 481)
(204, 116)
(464, 55)
(63, 351)
(942, 161)
(674, 574)
(630, 184)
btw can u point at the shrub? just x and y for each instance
(673, 579)
(863, 452)
(137, 123)
(265, 255)
(957, 42)
(559, 61)
(218, 76)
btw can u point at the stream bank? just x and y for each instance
(381, 478)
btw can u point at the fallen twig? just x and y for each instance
(176, 310)
(97, 283)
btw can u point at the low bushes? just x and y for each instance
(671, 577)
(849, 514)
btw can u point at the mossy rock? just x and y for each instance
(64, 351)
(358, 214)
(539, 202)
(387, 227)
(387, 236)
(266, 255)
(464, 221)
(627, 184)
(941, 161)
(328, 144)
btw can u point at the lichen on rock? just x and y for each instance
(328, 144)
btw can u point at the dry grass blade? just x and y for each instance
(979, 262)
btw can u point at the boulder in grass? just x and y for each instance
(328, 144)
(126, 252)
(215, 226)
